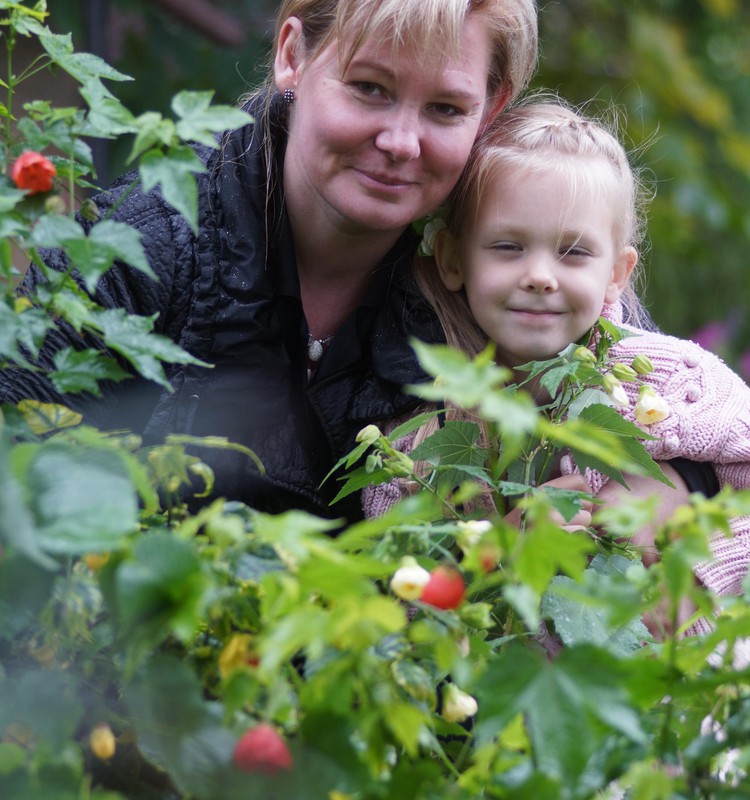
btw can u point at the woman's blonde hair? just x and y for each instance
(433, 28)
(539, 134)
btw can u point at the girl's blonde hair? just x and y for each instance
(539, 134)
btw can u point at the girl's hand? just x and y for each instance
(580, 522)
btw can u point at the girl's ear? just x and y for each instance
(288, 60)
(623, 268)
(448, 262)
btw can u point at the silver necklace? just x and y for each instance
(316, 347)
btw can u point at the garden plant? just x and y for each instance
(150, 651)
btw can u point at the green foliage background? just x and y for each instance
(678, 70)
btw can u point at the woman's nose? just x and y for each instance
(399, 137)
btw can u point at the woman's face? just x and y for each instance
(380, 145)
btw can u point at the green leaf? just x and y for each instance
(200, 121)
(579, 619)
(81, 66)
(82, 498)
(572, 706)
(546, 550)
(635, 456)
(26, 330)
(133, 338)
(175, 173)
(453, 445)
(162, 588)
(81, 371)
(153, 131)
(463, 382)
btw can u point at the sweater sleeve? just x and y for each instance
(709, 421)
(381, 498)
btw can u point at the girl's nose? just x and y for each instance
(399, 138)
(540, 275)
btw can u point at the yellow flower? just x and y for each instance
(651, 407)
(102, 742)
(237, 653)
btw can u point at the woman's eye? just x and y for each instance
(368, 88)
(446, 110)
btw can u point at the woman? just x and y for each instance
(297, 289)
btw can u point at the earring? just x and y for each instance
(288, 96)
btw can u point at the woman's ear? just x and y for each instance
(288, 61)
(446, 251)
(621, 271)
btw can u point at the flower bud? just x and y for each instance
(401, 465)
(615, 390)
(429, 236)
(262, 750)
(102, 742)
(409, 580)
(584, 354)
(445, 589)
(369, 434)
(89, 210)
(642, 365)
(457, 705)
(54, 204)
(651, 407)
(623, 372)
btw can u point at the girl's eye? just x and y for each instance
(574, 252)
(507, 247)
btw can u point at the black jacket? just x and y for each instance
(230, 296)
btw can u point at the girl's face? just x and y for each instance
(540, 260)
(380, 145)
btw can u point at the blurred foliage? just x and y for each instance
(677, 70)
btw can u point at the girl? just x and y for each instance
(540, 241)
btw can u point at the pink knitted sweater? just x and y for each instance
(709, 421)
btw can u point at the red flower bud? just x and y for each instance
(445, 589)
(33, 172)
(262, 749)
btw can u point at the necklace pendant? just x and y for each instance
(315, 350)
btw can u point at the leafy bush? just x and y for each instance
(147, 652)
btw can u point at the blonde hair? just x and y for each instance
(432, 27)
(538, 134)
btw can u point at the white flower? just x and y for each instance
(470, 531)
(651, 407)
(616, 391)
(457, 705)
(409, 580)
(429, 235)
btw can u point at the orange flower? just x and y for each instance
(33, 172)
